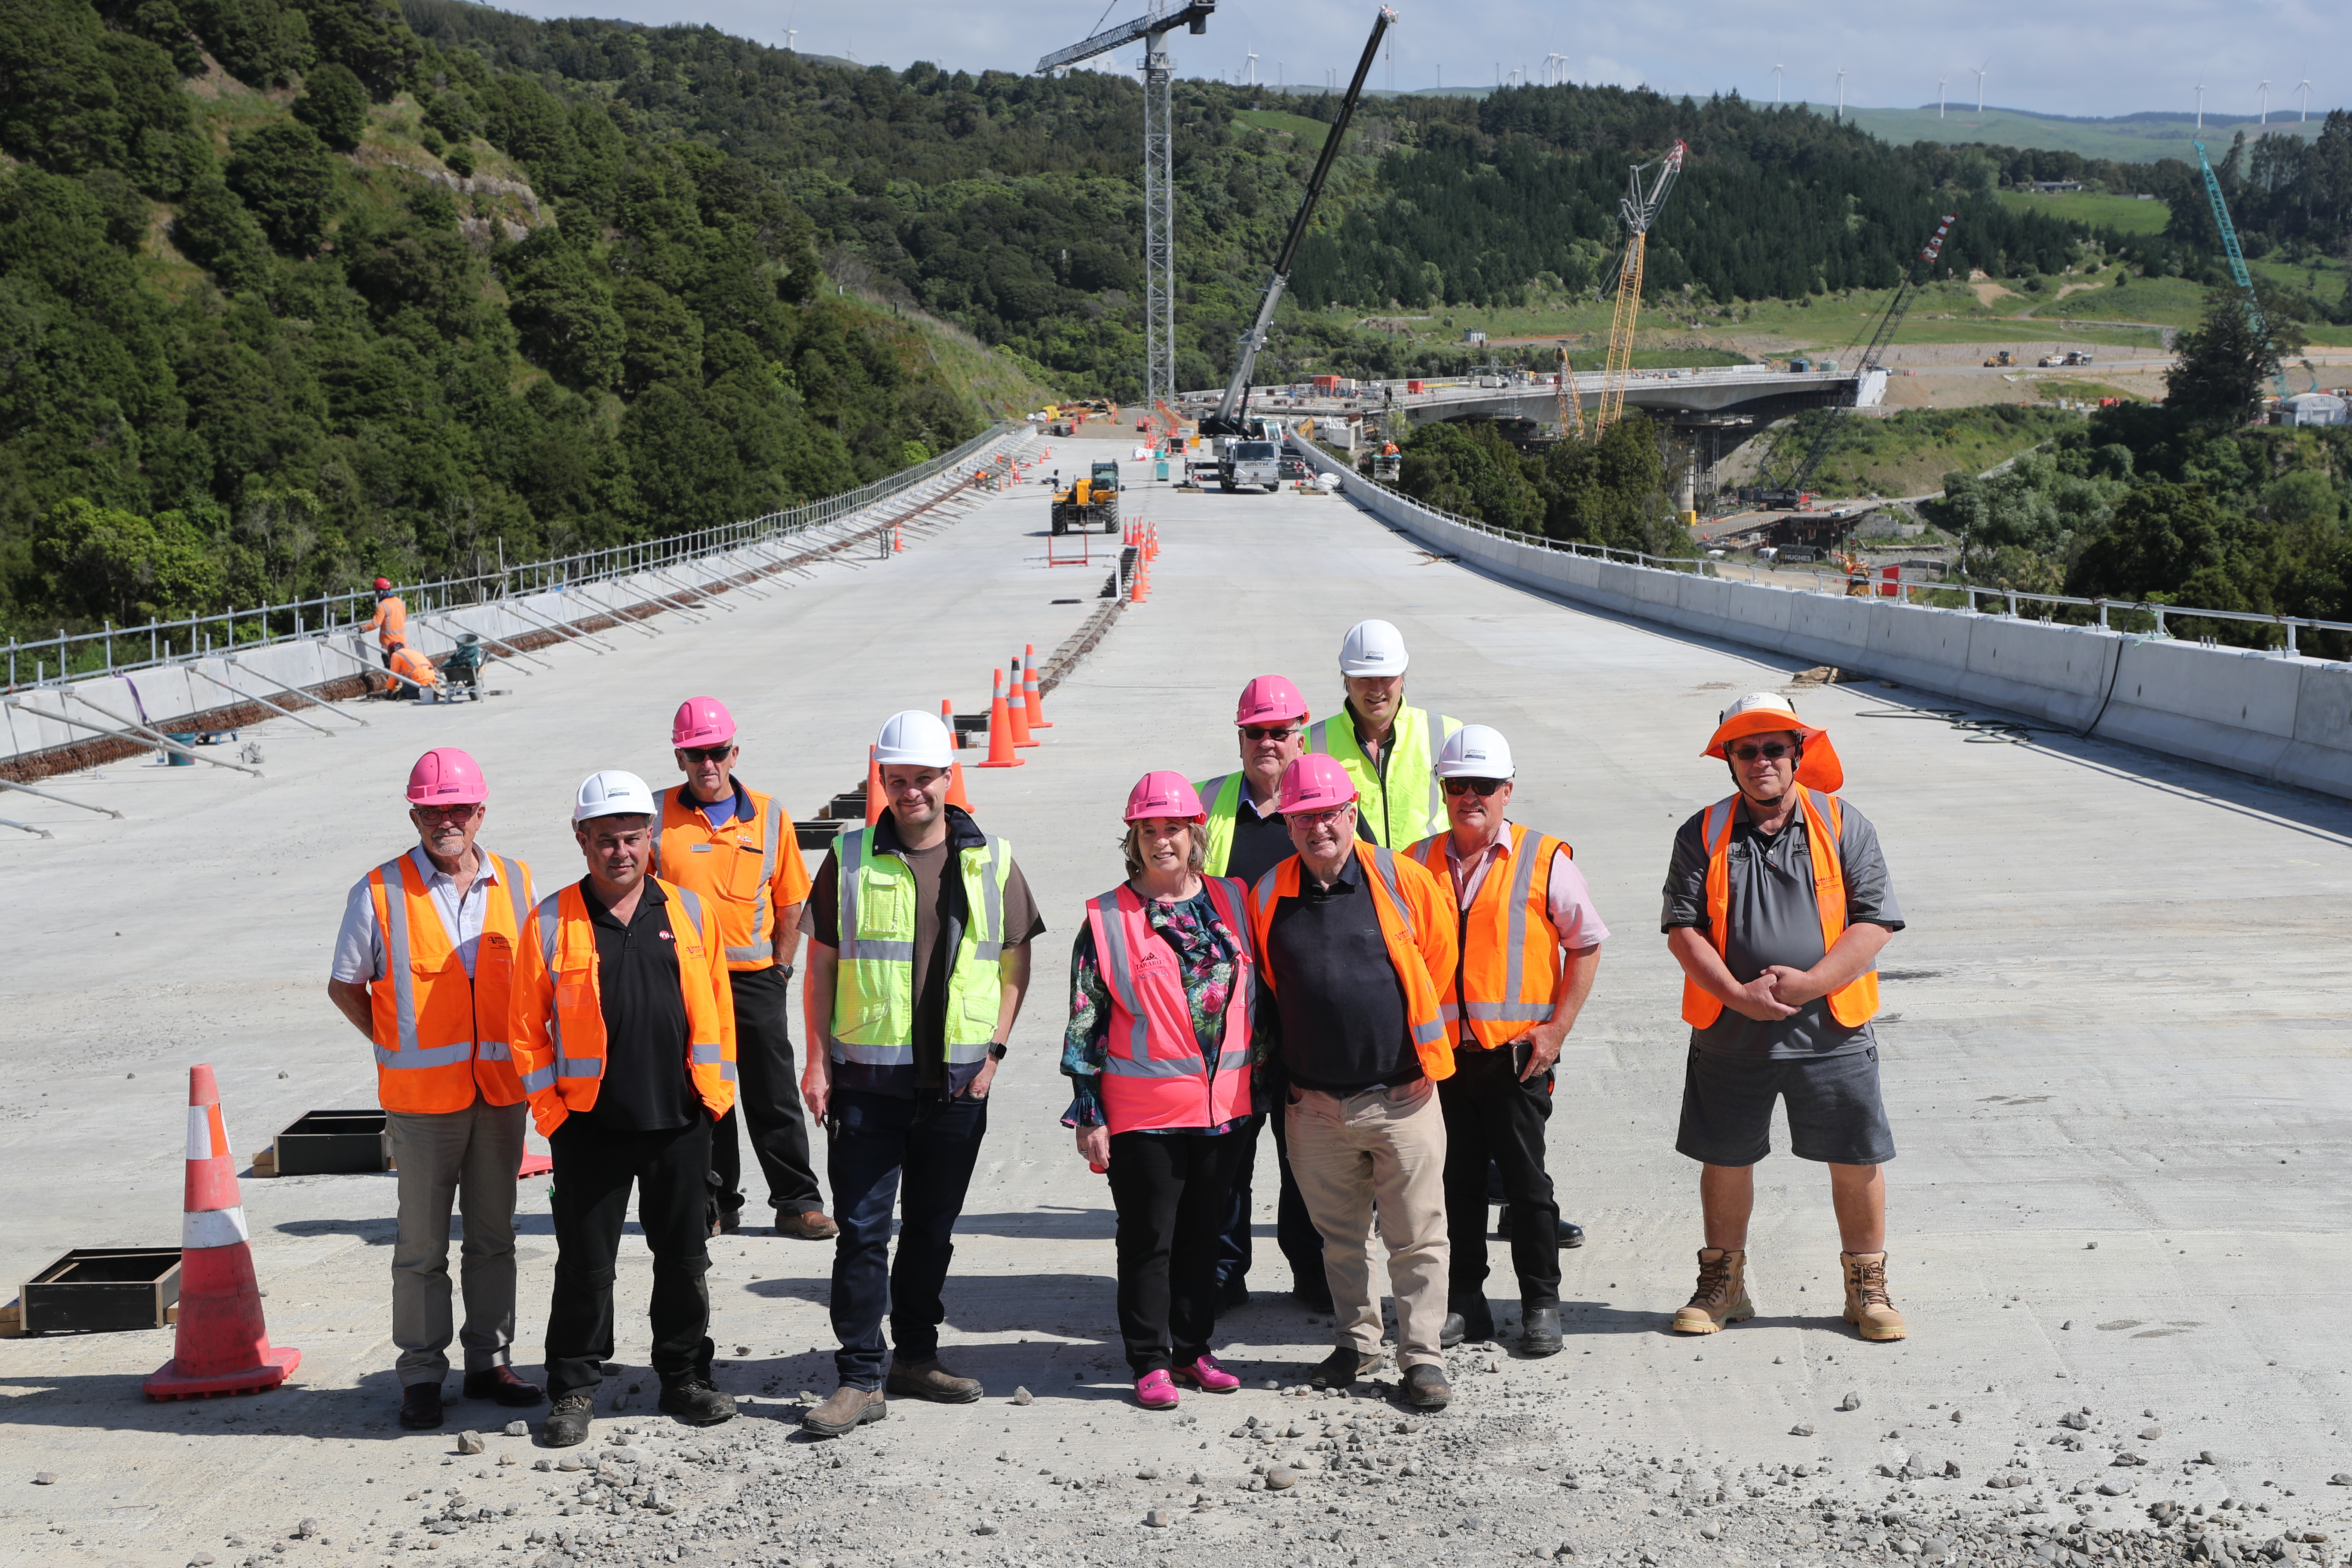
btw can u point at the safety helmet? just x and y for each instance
(1267, 699)
(701, 722)
(1761, 713)
(1315, 782)
(914, 738)
(1373, 648)
(1163, 793)
(613, 793)
(446, 777)
(1474, 751)
(383, 585)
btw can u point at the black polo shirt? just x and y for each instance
(646, 1086)
(1336, 995)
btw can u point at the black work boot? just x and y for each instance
(1539, 1331)
(567, 1423)
(694, 1401)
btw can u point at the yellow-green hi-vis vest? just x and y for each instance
(1412, 805)
(1224, 798)
(874, 987)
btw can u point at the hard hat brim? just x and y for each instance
(1819, 768)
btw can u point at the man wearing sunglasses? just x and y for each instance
(1777, 903)
(423, 965)
(1530, 943)
(1386, 747)
(736, 848)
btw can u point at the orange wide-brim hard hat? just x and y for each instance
(1764, 713)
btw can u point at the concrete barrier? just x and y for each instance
(2288, 721)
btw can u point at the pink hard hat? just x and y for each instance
(1315, 782)
(1267, 699)
(1164, 794)
(446, 777)
(701, 722)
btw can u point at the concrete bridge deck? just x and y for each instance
(2116, 1034)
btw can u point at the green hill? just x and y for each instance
(2130, 139)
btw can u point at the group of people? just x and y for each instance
(1346, 938)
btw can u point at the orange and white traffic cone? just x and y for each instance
(1016, 702)
(947, 717)
(873, 786)
(955, 763)
(898, 540)
(223, 1345)
(1138, 588)
(1000, 728)
(1031, 697)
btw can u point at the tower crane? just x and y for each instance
(2237, 266)
(1640, 212)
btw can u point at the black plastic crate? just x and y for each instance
(334, 1143)
(97, 1289)
(819, 833)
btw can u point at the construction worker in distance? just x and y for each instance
(1530, 943)
(1247, 837)
(625, 1034)
(1777, 903)
(919, 956)
(409, 662)
(1386, 747)
(422, 967)
(1354, 942)
(390, 623)
(737, 848)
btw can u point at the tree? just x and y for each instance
(368, 37)
(2223, 360)
(1612, 491)
(214, 231)
(114, 564)
(335, 105)
(2162, 535)
(287, 176)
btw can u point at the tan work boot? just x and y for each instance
(1867, 1307)
(929, 1380)
(845, 1412)
(1722, 1294)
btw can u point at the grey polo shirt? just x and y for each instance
(1775, 919)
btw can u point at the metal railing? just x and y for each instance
(115, 650)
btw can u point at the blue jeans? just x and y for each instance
(877, 1139)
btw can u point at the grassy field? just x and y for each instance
(2129, 214)
(2126, 141)
(1310, 133)
(1909, 454)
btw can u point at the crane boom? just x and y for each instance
(1232, 409)
(1193, 17)
(2237, 264)
(1640, 212)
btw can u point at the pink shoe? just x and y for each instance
(1207, 1376)
(1153, 1391)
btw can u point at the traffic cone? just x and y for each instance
(947, 717)
(1138, 588)
(1031, 697)
(1016, 702)
(222, 1346)
(1000, 728)
(898, 540)
(955, 763)
(873, 786)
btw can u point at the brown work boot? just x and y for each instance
(845, 1412)
(1722, 1294)
(809, 1225)
(1867, 1307)
(929, 1380)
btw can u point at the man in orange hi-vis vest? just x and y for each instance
(1777, 903)
(390, 623)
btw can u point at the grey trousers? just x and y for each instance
(468, 1159)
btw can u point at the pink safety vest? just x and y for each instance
(1155, 1076)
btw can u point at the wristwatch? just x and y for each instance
(996, 1050)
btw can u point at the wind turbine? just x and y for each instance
(789, 33)
(1940, 82)
(2265, 90)
(1253, 67)
(1775, 84)
(1981, 76)
(2303, 87)
(1840, 113)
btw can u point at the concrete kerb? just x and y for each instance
(2281, 719)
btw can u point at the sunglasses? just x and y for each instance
(1482, 788)
(1770, 752)
(1268, 731)
(708, 753)
(447, 812)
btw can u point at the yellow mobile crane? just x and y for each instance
(1640, 212)
(1571, 407)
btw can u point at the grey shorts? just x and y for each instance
(1835, 1114)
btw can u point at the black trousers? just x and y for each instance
(767, 1098)
(1170, 1189)
(1293, 1230)
(594, 1169)
(1491, 1116)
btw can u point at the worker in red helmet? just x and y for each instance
(390, 624)
(422, 968)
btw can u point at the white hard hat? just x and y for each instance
(915, 739)
(1474, 752)
(1373, 648)
(613, 794)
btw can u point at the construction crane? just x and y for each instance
(1159, 177)
(1791, 491)
(1571, 407)
(2237, 266)
(1639, 211)
(1232, 418)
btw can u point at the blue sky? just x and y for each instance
(2087, 57)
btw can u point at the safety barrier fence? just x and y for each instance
(2273, 714)
(117, 651)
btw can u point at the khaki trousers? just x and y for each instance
(467, 1158)
(1383, 1147)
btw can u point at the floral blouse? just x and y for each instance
(1206, 957)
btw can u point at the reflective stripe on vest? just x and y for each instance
(1427, 1031)
(762, 945)
(1853, 1004)
(694, 937)
(1529, 981)
(390, 891)
(874, 988)
(1158, 1078)
(550, 927)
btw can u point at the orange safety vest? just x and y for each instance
(1853, 1004)
(407, 661)
(1510, 951)
(441, 1033)
(1155, 1074)
(390, 621)
(1421, 939)
(734, 868)
(558, 1007)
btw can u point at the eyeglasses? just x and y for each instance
(1319, 818)
(708, 753)
(447, 812)
(1482, 788)
(1770, 752)
(1268, 731)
